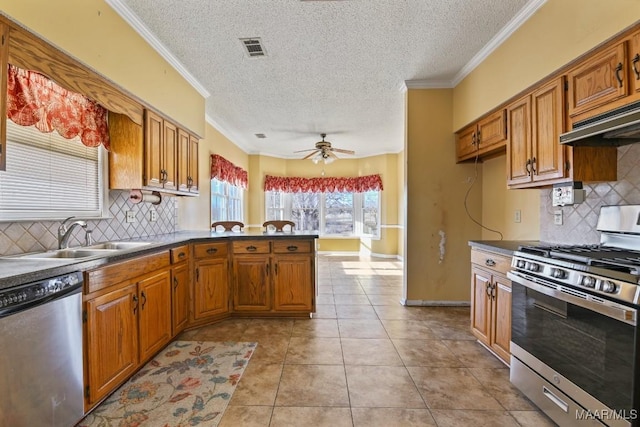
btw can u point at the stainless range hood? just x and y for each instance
(614, 128)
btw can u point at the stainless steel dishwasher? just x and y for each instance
(41, 375)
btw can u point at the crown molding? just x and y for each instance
(229, 135)
(427, 84)
(507, 31)
(132, 19)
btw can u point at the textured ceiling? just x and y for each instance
(335, 67)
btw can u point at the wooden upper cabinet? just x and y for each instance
(519, 163)
(634, 62)
(169, 163)
(547, 123)
(153, 128)
(187, 162)
(597, 81)
(485, 137)
(4, 57)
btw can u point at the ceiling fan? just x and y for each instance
(324, 152)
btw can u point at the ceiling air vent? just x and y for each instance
(260, 135)
(253, 47)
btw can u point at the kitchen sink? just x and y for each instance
(67, 253)
(118, 245)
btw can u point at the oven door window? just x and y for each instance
(595, 352)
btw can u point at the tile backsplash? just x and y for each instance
(579, 221)
(24, 236)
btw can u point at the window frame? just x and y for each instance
(358, 214)
(227, 198)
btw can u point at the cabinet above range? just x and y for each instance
(158, 156)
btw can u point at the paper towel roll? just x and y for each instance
(137, 196)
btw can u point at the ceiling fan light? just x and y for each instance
(315, 159)
(328, 160)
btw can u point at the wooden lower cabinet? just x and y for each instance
(251, 284)
(211, 296)
(180, 298)
(154, 317)
(491, 302)
(111, 341)
(292, 286)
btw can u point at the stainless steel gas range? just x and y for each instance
(574, 338)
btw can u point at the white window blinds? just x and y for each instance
(49, 177)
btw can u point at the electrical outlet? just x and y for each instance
(517, 215)
(557, 217)
(131, 216)
(153, 215)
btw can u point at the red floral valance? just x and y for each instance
(359, 184)
(34, 100)
(223, 170)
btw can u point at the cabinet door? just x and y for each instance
(292, 283)
(193, 165)
(548, 159)
(154, 318)
(169, 155)
(183, 160)
(634, 61)
(501, 322)
(519, 146)
(466, 143)
(112, 340)
(492, 131)
(211, 295)
(599, 80)
(480, 304)
(4, 58)
(153, 129)
(179, 298)
(251, 283)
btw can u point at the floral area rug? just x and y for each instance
(189, 383)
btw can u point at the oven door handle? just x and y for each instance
(610, 309)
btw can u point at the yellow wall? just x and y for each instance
(559, 32)
(436, 189)
(93, 33)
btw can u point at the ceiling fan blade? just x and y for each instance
(308, 156)
(340, 150)
(330, 154)
(302, 151)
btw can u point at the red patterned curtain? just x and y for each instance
(359, 184)
(33, 99)
(223, 170)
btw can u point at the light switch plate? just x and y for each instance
(131, 216)
(153, 215)
(517, 215)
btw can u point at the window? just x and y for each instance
(50, 177)
(328, 214)
(226, 201)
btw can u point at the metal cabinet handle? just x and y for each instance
(634, 62)
(175, 283)
(135, 305)
(182, 255)
(533, 166)
(144, 299)
(474, 140)
(527, 167)
(212, 251)
(489, 262)
(479, 138)
(488, 289)
(251, 248)
(292, 248)
(618, 73)
(276, 267)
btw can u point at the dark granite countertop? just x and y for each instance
(506, 247)
(15, 271)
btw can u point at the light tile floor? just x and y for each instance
(365, 360)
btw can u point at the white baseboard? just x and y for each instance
(428, 303)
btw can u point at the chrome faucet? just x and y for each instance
(64, 231)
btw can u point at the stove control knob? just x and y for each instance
(588, 281)
(559, 273)
(520, 263)
(532, 266)
(608, 287)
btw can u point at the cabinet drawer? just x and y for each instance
(291, 246)
(206, 250)
(493, 261)
(179, 254)
(251, 247)
(113, 274)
